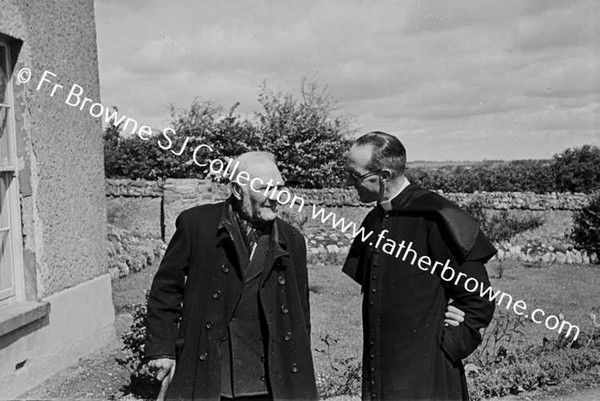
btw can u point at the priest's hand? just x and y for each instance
(453, 316)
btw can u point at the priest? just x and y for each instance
(408, 352)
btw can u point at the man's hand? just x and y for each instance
(454, 316)
(161, 367)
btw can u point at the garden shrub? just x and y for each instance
(503, 365)
(586, 227)
(504, 226)
(142, 383)
(501, 226)
(129, 251)
(530, 371)
(345, 376)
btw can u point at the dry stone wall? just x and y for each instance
(144, 205)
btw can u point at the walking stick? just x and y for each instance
(164, 385)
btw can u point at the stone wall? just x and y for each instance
(180, 194)
(135, 188)
(523, 200)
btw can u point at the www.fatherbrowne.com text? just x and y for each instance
(76, 98)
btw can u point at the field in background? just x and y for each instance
(433, 165)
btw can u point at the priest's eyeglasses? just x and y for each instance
(354, 178)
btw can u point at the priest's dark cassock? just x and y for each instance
(408, 353)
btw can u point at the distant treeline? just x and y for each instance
(573, 170)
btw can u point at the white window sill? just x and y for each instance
(21, 314)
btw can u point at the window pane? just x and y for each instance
(4, 140)
(3, 73)
(6, 273)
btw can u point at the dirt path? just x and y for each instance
(97, 376)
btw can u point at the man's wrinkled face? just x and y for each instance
(357, 162)
(259, 195)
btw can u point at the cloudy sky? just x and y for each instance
(454, 80)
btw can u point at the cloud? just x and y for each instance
(464, 72)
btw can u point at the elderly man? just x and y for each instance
(228, 308)
(408, 272)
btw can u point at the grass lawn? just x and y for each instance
(569, 289)
(131, 289)
(336, 301)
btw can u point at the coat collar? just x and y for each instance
(228, 228)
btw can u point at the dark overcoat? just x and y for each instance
(194, 294)
(408, 352)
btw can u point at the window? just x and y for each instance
(10, 224)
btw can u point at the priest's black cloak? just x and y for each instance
(408, 353)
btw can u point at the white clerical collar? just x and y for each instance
(387, 205)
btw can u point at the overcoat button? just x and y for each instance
(374, 290)
(203, 356)
(225, 269)
(373, 382)
(372, 369)
(371, 303)
(217, 294)
(262, 358)
(262, 378)
(373, 277)
(284, 309)
(287, 336)
(294, 368)
(375, 264)
(373, 395)
(209, 325)
(372, 356)
(281, 280)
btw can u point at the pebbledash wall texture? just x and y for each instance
(63, 308)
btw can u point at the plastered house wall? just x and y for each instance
(62, 196)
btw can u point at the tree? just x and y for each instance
(303, 133)
(578, 169)
(307, 139)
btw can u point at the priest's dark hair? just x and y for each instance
(388, 152)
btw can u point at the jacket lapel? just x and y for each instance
(277, 250)
(230, 237)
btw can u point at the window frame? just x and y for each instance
(15, 294)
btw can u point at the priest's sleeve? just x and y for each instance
(460, 341)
